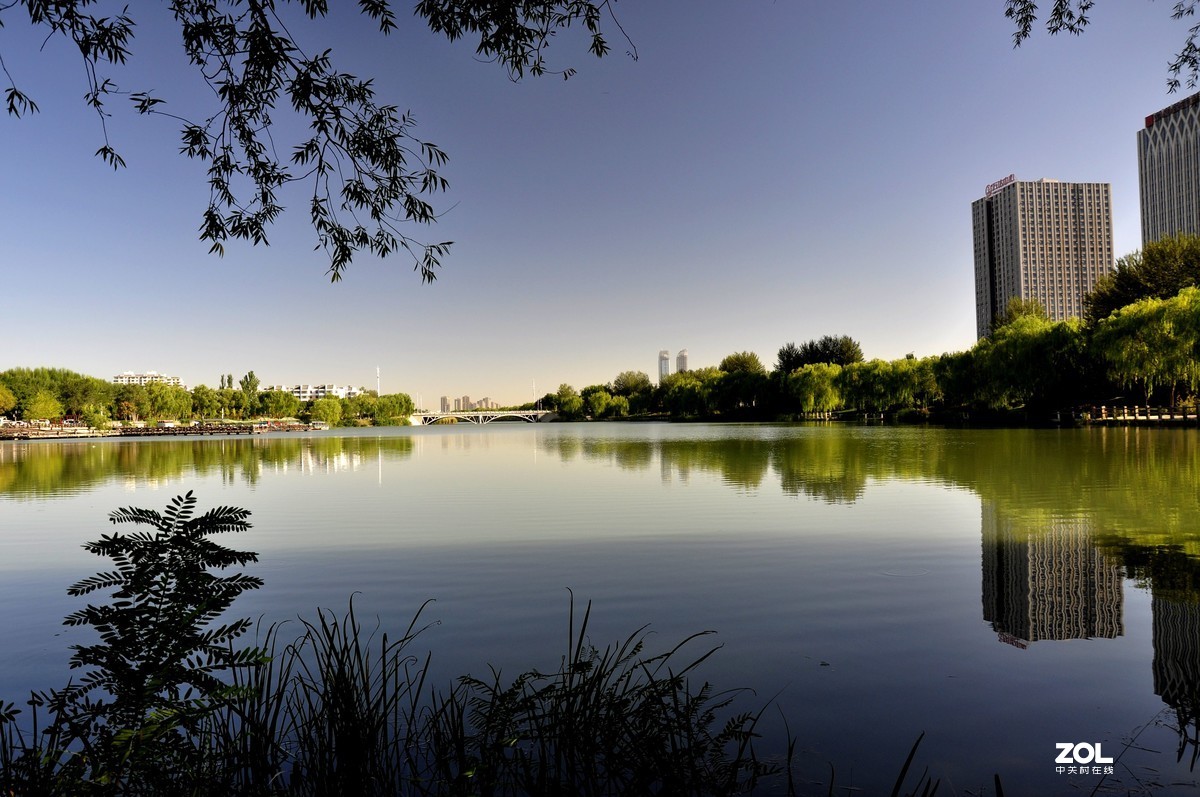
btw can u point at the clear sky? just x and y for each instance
(764, 172)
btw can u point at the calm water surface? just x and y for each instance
(1000, 590)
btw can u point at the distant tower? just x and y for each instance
(445, 403)
(377, 383)
(664, 365)
(681, 361)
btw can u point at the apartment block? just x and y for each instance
(1040, 239)
(314, 392)
(130, 378)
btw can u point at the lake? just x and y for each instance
(1002, 591)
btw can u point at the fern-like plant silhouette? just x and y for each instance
(163, 662)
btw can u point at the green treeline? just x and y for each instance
(1138, 344)
(1145, 353)
(53, 393)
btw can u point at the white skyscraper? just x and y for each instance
(664, 365)
(681, 361)
(1040, 239)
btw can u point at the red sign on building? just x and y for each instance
(996, 186)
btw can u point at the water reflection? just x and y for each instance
(1116, 475)
(898, 554)
(1066, 517)
(49, 468)
(1176, 634)
(1044, 579)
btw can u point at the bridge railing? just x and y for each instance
(480, 416)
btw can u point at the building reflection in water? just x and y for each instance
(1043, 579)
(1176, 627)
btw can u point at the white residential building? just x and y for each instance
(1040, 239)
(314, 392)
(130, 378)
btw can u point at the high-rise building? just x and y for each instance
(1040, 239)
(664, 365)
(681, 361)
(445, 403)
(1169, 171)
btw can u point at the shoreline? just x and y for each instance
(26, 433)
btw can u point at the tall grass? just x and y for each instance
(341, 711)
(167, 705)
(337, 711)
(615, 721)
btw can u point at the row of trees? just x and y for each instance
(53, 393)
(1139, 343)
(739, 387)
(1148, 351)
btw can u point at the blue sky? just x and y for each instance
(764, 172)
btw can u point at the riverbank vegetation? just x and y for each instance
(56, 393)
(1028, 370)
(1138, 344)
(168, 704)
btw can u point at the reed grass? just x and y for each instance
(167, 705)
(343, 710)
(615, 721)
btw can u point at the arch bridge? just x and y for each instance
(482, 416)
